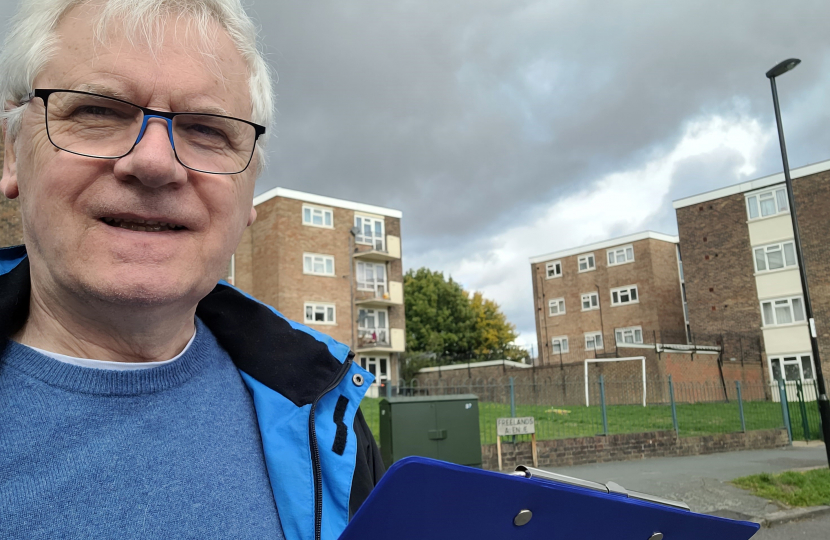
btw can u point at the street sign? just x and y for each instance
(515, 426)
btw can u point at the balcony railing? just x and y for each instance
(373, 337)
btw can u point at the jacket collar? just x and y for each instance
(289, 358)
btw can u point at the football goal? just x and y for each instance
(641, 359)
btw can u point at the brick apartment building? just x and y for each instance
(589, 299)
(302, 257)
(741, 269)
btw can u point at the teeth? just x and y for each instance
(141, 225)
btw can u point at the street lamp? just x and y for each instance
(823, 403)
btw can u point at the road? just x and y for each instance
(815, 528)
(702, 482)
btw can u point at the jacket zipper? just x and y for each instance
(315, 450)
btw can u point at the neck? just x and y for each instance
(128, 335)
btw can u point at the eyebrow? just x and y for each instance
(113, 93)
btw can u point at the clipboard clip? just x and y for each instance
(610, 487)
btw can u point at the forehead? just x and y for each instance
(173, 62)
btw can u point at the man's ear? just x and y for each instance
(251, 218)
(8, 183)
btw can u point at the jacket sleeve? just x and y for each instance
(369, 466)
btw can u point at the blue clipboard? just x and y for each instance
(419, 499)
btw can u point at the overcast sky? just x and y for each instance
(505, 129)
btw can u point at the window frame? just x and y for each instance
(550, 306)
(792, 359)
(373, 288)
(323, 209)
(633, 330)
(614, 250)
(549, 266)
(360, 239)
(766, 248)
(789, 300)
(377, 362)
(627, 288)
(325, 258)
(753, 200)
(325, 306)
(387, 328)
(586, 257)
(590, 295)
(562, 340)
(594, 336)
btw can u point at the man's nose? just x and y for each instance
(152, 161)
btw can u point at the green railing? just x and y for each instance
(567, 408)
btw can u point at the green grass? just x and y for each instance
(562, 422)
(810, 488)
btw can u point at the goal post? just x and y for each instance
(641, 359)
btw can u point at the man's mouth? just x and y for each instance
(143, 225)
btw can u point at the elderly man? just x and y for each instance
(138, 398)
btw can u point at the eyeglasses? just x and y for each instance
(98, 126)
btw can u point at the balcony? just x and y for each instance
(381, 297)
(380, 340)
(391, 253)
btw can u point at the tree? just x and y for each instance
(439, 318)
(444, 324)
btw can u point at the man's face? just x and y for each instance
(69, 202)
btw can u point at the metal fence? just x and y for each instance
(606, 406)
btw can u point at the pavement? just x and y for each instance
(702, 482)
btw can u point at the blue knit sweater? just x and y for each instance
(167, 452)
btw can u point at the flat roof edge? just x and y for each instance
(758, 183)
(611, 242)
(325, 201)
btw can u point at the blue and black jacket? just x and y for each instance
(321, 457)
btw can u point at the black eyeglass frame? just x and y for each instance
(44, 93)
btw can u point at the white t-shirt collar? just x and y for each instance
(106, 364)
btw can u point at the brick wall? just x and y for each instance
(627, 447)
(811, 196)
(720, 273)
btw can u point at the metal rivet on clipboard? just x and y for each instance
(522, 518)
(656, 536)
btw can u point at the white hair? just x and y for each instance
(31, 41)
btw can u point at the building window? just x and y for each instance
(593, 341)
(775, 257)
(377, 366)
(783, 311)
(590, 301)
(317, 216)
(587, 262)
(560, 344)
(370, 232)
(553, 269)
(318, 265)
(556, 307)
(372, 327)
(624, 295)
(372, 277)
(633, 334)
(319, 313)
(767, 203)
(620, 255)
(795, 368)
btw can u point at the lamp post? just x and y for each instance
(823, 403)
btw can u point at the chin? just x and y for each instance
(142, 292)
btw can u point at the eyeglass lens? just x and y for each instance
(97, 126)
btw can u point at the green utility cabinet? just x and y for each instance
(440, 427)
